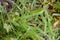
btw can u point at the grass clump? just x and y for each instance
(30, 20)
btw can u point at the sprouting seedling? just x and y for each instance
(55, 14)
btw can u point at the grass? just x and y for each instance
(27, 21)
